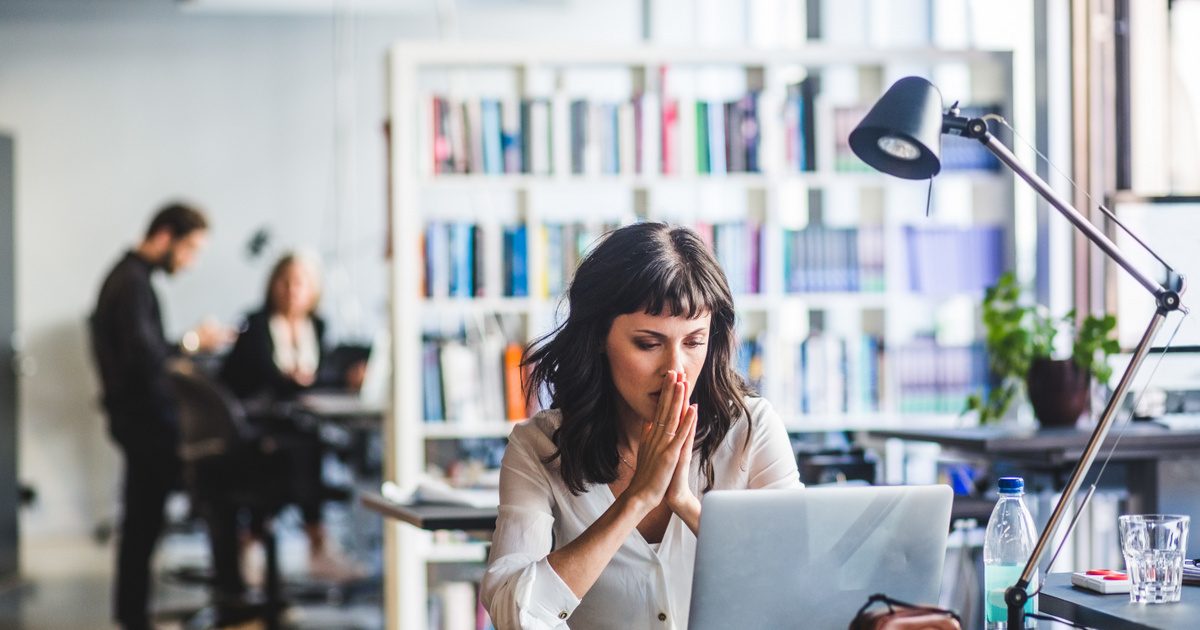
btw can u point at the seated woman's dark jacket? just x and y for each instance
(250, 371)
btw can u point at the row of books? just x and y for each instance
(937, 379)
(472, 381)
(457, 255)
(641, 135)
(826, 259)
(737, 247)
(459, 262)
(455, 605)
(834, 375)
(829, 374)
(977, 252)
(457, 258)
(957, 153)
(460, 258)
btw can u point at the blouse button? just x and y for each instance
(662, 616)
(563, 615)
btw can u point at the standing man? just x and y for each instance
(131, 352)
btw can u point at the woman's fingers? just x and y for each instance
(665, 399)
(677, 407)
(693, 422)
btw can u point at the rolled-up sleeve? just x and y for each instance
(520, 589)
(772, 463)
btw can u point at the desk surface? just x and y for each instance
(1061, 599)
(429, 516)
(1140, 440)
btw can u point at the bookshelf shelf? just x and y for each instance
(841, 233)
(822, 179)
(462, 306)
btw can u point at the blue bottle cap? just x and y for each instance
(1012, 484)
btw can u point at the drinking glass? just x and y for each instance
(1154, 546)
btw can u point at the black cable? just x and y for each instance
(1045, 617)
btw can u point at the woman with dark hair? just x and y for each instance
(599, 494)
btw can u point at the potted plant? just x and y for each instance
(1020, 346)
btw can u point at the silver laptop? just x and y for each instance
(810, 558)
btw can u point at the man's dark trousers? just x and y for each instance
(151, 472)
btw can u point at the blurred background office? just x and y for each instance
(272, 115)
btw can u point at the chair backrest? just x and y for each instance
(212, 421)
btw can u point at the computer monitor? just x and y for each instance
(811, 557)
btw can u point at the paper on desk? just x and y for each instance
(432, 490)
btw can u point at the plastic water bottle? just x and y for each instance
(1010, 539)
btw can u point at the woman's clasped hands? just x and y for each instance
(664, 454)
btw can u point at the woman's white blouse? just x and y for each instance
(641, 588)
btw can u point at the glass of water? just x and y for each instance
(1154, 546)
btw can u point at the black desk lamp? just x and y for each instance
(901, 136)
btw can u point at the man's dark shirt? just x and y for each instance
(131, 353)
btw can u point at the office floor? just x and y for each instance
(68, 583)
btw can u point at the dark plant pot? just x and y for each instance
(1058, 391)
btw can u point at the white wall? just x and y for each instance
(119, 105)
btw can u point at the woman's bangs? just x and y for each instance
(676, 294)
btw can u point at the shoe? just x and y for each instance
(335, 568)
(253, 565)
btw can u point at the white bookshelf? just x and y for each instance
(419, 71)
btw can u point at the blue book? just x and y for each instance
(462, 260)
(493, 143)
(611, 144)
(431, 380)
(517, 249)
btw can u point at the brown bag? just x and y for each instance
(897, 615)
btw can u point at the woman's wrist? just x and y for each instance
(635, 505)
(684, 506)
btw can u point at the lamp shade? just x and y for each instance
(902, 134)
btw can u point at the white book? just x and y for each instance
(560, 133)
(626, 138)
(651, 135)
(716, 137)
(474, 140)
(460, 383)
(490, 355)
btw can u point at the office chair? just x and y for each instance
(227, 466)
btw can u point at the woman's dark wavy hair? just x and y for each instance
(646, 267)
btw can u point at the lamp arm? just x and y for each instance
(1166, 299)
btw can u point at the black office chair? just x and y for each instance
(228, 466)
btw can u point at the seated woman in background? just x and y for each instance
(277, 356)
(599, 495)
